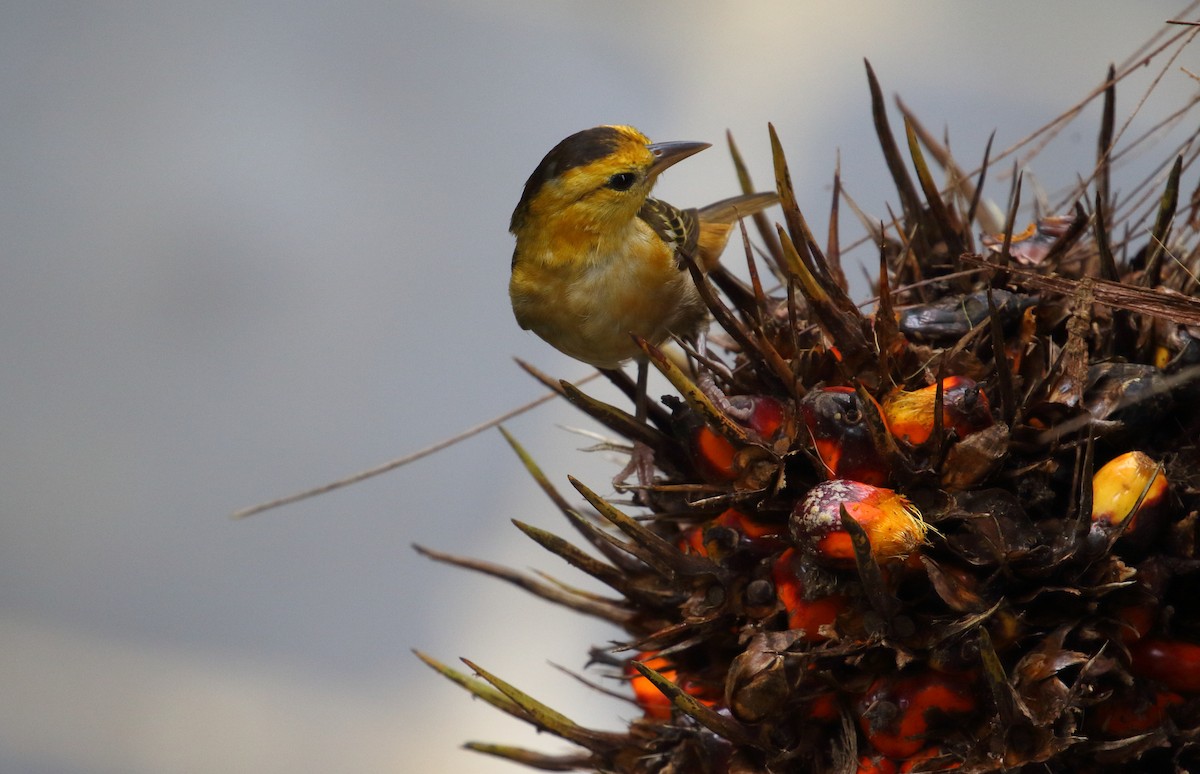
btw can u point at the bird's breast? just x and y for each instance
(587, 302)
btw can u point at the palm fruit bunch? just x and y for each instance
(956, 533)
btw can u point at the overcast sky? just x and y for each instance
(248, 248)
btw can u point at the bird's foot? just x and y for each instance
(641, 465)
(734, 407)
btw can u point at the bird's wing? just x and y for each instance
(701, 234)
(678, 228)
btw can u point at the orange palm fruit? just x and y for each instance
(652, 701)
(901, 714)
(804, 613)
(1117, 488)
(892, 524)
(733, 529)
(875, 764)
(764, 417)
(965, 410)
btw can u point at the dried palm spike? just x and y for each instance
(930, 759)
(652, 701)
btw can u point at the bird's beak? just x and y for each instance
(667, 153)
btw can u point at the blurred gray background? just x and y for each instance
(248, 248)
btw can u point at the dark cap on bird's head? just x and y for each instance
(577, 149)
(589, 145)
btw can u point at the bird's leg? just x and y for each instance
(641, 457)
(708, 385)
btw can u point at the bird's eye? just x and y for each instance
(622, 181)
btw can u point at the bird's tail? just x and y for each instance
(729, 210)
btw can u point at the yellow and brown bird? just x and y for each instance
(598, 259)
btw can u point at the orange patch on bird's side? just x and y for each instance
(1029, 231)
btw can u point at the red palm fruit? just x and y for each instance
(841, 437)
(875, 764)
(823, 708)
(652, 701)
(691, 540)
(807, 614)
(891, 522)
(921, 760)
(715, 455)
(965, 410)
(901, 714)
(766, 414)
(1138, 620)
(1121, 716)
(744, 531)
(648, 697)
(755, 530)
(1116, 489)
(1174, 663)
(763, 416)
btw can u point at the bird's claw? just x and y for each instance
(641, 465)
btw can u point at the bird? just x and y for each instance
(597, 258)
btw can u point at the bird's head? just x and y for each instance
(597, 176)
